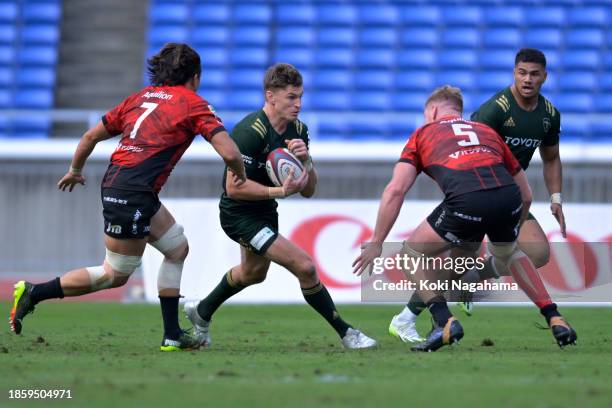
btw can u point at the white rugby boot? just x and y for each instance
(405, 330)
(201, 327)
(355, 339)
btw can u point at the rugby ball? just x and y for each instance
(279, 163)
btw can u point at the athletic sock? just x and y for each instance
(528, 279)
(414, 307)
(549, 311)
(224, 290)
(319, 299)
(169, 309)
(47, 290)
(439, 310)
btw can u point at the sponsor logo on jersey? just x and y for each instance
(129, 148)
(521, 141)
(158, 95)
(509, 122)
(466, 152)
(247, 159)
(546, 124)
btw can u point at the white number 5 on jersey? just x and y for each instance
(463, 129)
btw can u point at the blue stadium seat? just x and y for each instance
(40, 34)
(332, 100)
(218, 99)
(34, 99)
(368, 129)
(410, 101)
(35, 77)
(249, 57)
(41, 12)
(543, 38)
(295, 14)
(246, 79)
(497, 59)
(37, 55)
(494, 81)
(7, 55)
(400, 129)
(504, 16)
(169, 13)
(419, 37)
(425, 58)
(300, 57)
(333, 129)
(251, 13)
(336, 37)
(31, 125)
(588, 17)
(574, 102)
(213, 56)
(337, 79)
(211, 35)
(462, 79)
(545, 16)
(213, 13)
(213, 78)
(601, 131)
(255, 36)
(414, 80)
(5, 98)
(457, 59)
(584, 38)
(603, 103)
(378, 37)
(371, 101)
(8, 34)
(378, 79)
(336, 14)
(8, 12)
(578, 81)
(605, 82)
(245, 100)
(553, 59)
(378, 15)
(7, 76)
(587, 60)
(159, 35)
(552, 84)
(461, 16)
(334, 57)
(461, 37)
(575, 129)
(375, 58)
(412, 16)
(295, 36)
(502, 38)
(607, 61)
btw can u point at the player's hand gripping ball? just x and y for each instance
(279, 164)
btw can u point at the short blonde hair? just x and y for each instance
(448, 94)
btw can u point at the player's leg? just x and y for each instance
(300, 264)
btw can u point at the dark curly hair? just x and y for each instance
(174, 64)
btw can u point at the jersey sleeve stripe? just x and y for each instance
(501, 105)
(258, 130)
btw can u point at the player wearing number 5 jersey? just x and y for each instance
(156, 126)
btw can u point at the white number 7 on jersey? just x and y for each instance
(462, 129)
(150, 107)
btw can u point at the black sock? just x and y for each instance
(439, 310)
(169, 309)
(318, 298)
(224, 290)
(415, 304)
(549, 311)
(47, 290)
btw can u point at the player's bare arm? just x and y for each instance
(227, 149)
(86, 145)
(253, 191)
(553, 178)
(300, 150)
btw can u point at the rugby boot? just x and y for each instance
(355, 339)
(22, 305)
(562, 331)
(404, 330)
(440, 336)
(201, 327)
(465, 302)
(184, 342)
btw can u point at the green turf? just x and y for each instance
(265, 356)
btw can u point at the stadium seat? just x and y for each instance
(245, 100)
(587, 60)
(417, 59)
(584, 81)
(605, 82)
(6, 77)
(295, 36)
(251, 36)
(494, 81)
(462, 79)
(332, 37)
(543, 38)
(603, 103)
(457, 59)
(334, 57)
(218, 99)
(419, 37)
(377, 37)
(336, 14)
(414, 80)
(33, 99)
(300, 57)
(7, 55)
(545, 17)
(248, 79)
(251, 13)
(213, 56)
(212, 35)
(249, 57)
(370, 101)
(295, 14)
(504, 16)
(584, 38)
(411, 16)
(333, 129)
(575, 129)
(36, 55)
(5, 98)
(330, 100)
(378, 15)
(502, 38)
(497, 59)
(213, 13)
(368, 129)
(410, 101)
(379, 79)
(461, 16)
(600, 131)
(8, 34)
(8, 12)
(35, 77)
(553, 59)
(31, 124)
(40, 34)
(400, 129)
(574, 102)
(333, 80)
(169, 13)
(460, 38)
(159, 35)
(213, 78)
(375, 58)
(41, 12)
(589, 17)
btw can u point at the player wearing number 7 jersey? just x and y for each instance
(156, 126)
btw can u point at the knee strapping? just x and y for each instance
(172, 239)
(169, 275)
(123, 264)
(96, 275)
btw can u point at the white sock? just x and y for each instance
(406, 316)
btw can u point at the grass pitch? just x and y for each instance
(268, 356)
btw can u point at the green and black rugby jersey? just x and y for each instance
(255, 138)
(522, 131)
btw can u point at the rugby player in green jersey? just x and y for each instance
(526, 121)
(248, 211)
